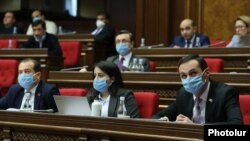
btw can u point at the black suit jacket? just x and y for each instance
(10, 30)
(50, 42)
(43, 97)
(105, 41)
(222, 105)
(145, 63)
(114, 102)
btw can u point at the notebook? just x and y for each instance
(72, 105)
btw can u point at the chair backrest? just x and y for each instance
(5, 43)
(8, 72)
(215, 64)
(245, 107)
(152, 66)
(71, 53)
(72, 92)
(218, 43)
(148, 103)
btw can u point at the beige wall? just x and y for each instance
(219, 16)
(10, 5)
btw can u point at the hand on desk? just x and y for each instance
(183, 119)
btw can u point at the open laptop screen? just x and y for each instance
(72, 105)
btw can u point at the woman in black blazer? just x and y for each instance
(108, 88)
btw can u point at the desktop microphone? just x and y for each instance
(39, 111)
(215, 44)
(152, 46)
(74, 68)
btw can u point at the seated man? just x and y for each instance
(42, 39)
(189, 38)
(50, 25)
(31, 93)
(202, 100)
(9, 24)
(124, 44)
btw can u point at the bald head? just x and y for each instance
(187, 28)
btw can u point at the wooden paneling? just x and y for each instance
(219, 16)
(20, 126)
(152, 21)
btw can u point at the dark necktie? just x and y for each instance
(188, 44)
(120, 63)
(197, 111)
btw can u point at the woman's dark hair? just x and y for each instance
(113, 72)
(199, 59)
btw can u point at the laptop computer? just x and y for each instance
(244, 41)
(72, 105)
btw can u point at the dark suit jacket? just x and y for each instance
(43, 97)
(9, 30)
(105, 42)
(114, 102)
(50, 42)
(222, 105)
(180, 41)
(145, 63)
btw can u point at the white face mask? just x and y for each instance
(100, 24)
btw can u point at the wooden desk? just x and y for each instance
(164, 83)
(47, 63)
(235, 59)
(87, 41)
(37, 126)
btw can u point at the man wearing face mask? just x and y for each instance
(189, 38)
(50, 25)
(31, 93)
(202, 100)
(124, 44)
(104, 35)
(42, 39)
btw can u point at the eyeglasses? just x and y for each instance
(122, 41)
(240, 27)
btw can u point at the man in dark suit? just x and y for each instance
(9, 24)
(189, 38)
(42, 39)
(104, 35)
(124, 44)
(31, 93)
(202, 100)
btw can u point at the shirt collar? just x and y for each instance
(33, 90)
(205, 93)
(126, 57)
(192, 39)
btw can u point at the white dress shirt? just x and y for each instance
(203, 103)
(31, 96)
(105, 106)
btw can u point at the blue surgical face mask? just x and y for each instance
(122, 48)
(193, 84)
(100, 85)
(26, 80)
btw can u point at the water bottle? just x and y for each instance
(197, 43)
(122, 111)
(96, 108)
(60, 30)
(14, 30)
(142, 42)
(134, 66)
(9, 43)
(141, 67)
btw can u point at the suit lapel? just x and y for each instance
(112, 106)
(210, 99)
(20, 98)
(38, 94)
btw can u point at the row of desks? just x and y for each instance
(236, 59)
(21, 126)
(166, 84)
